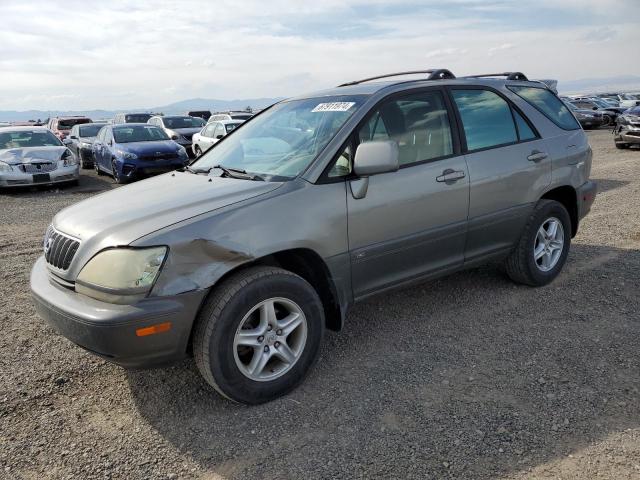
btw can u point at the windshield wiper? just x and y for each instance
(237, 173)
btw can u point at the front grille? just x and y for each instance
(163, 156)
(59, 249)
(38, 167)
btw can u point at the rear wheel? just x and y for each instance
(258, 334)
(622, 146)
(543, 247)
(197, 152)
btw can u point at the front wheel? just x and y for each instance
(197, 152)
(116, 176)
(622, 146)
(543, 247)
(258, 334)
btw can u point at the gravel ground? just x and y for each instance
(470, 376)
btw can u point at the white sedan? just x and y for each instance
(211, 133)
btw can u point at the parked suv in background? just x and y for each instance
(588, 118)
(203, 114)
(61, 126)
(180, 128)
(231, 116)
(245, 257)
(609, 114)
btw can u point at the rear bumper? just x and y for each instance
(109, 330)
(586, 196)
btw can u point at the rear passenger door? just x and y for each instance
(509, 168)
(411, 222)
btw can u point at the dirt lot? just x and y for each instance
(467, 377)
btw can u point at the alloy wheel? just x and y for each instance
(549, 243)
(270, 339)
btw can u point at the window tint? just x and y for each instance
(524, 130)
(418, 122)
(486, 118)
(549, 104)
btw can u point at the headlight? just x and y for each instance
(128, 155)
(121, 275)
(68, 158)
(5, 167)
(182, 152)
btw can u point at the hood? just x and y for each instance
(146, 148)
(123, 215)
(186, 130)
(15, 156)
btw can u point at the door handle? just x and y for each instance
(536, 156)
(450, 175)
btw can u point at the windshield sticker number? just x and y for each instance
(333, 107)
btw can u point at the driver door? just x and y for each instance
(411, 223)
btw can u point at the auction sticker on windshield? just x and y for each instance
(333, 107)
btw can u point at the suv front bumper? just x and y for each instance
(109, 330)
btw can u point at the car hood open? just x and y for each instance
(123, 215)
(16, 156)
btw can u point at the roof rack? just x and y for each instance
(434, 74)
(509, 75)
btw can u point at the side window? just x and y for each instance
(486, 118)
(548, 104)
(418, 122)
(219, 130)
(524, 130)
(208, 131)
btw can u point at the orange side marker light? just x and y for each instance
(153, 329)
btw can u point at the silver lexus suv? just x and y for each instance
(244, 258)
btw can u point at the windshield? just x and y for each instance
(137, 117)
(284, 140)
(183, 122)
(629, 96)
(67, 124)
(138, 133)
(28, 138)
(90, 130)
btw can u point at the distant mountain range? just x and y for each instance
(622, 83)
(180, 107)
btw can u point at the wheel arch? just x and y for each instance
(567, 196)
(309, 265)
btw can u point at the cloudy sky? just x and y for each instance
(82, 54)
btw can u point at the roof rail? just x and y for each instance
(509, 75)
(434, 74)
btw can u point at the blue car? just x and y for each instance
(132, 151)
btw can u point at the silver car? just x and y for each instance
(179, 128)
(627, 130)
(34, 156)
(245, 257)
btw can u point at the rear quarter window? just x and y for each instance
(548, 104)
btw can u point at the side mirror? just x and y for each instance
(73, 137)
(219, 136)
(595, 108)
(376, 157)
(174, 137)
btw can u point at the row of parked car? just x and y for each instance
(128, 147)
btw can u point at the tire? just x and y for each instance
(197, 152)
(622, 146)
(221, 361)
(521, 265)
(116, 177)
